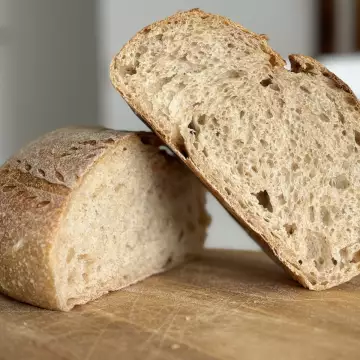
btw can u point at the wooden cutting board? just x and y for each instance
(227, 305)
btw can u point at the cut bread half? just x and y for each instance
(85, 211)
(278, 148)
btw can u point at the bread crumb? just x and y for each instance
(175, 346)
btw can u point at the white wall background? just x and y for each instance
(48, 68)
(289, 23)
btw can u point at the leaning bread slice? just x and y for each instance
(85, 211)
(279, 148)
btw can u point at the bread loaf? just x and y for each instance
(85, 211)
(278, 148)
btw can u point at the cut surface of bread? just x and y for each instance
(278, 148)
(85, 211)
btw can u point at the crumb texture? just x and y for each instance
(92, 224)
(280, 147)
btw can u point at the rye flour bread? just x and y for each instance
(85, 211)
(278, 148)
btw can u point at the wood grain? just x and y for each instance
(227, 305)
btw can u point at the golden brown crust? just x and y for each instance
(299, 64)
(306, 64)
(35, 187)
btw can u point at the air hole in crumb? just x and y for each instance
(28, 167)
(356, 257)
(240, 169)
(192, 127)
(231, 46)
(290, 228)
(109, 141)
(18, 161)
(74, 148)
(168, 261)
(340, 182)
(205, 152)
(266, 82)
(242, 113)
(215, 121)
(70, 255)
(43, 204)
(269, 114)
(227, 191)
(325, 216)
(202, 119)
(344, 132)
(324, 118)
(334, 261)
(299, 111)
(357, 137)
(305, 89)
(41, 172)
(294, 166)
(300, 262)
(264, 200)
(341, 117)
(59, 176)
(263, 143)
(312, 213)
(124, 149)
(127, 70)
(159, 37)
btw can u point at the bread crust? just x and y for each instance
(36, 186)
(299, 63)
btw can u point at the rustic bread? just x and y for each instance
(85, 211)
(279, 148)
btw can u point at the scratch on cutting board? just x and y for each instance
(164, 324)
(133, 306)
(97, 340)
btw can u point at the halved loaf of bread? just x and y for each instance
(85, 211)
(279, 148)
